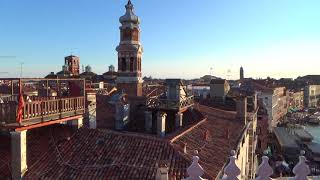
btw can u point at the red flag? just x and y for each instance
(20, 106)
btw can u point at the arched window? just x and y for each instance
(131, 64)
(139, 64)
(123, 64)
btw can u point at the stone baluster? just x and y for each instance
(301, 170)
(231, 171)
(264, 170)
(195, 171)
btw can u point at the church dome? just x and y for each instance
(129, 17)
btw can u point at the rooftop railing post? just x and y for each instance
(11, 87)
(231, 171)
(301, 170)
(47, 88)
(264, 170)
(195, 171)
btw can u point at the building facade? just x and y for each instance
(275, 102)
(219, 88)
(295, 101)
(312, 96)
(129, 54)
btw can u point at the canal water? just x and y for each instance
(315, 132)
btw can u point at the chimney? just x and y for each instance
(227, 133)
(206, 135)
(241, 108)
(184, 148)
(91, 113)
(162, 173)
(161, 124)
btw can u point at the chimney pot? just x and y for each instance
(184, 147)
(206, 135)
(227, 133)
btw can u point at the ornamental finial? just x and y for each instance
(129, 5)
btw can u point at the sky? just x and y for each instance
(181, 38)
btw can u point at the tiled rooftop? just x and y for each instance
(214, 151)
(4, 157)
(39, 141)
(106, 154)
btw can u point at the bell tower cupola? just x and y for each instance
(130, 53)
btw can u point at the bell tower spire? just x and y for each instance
(129, 53)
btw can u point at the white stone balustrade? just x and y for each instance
(264, 171)
(195, 171)
(301, 170)
(231, 171)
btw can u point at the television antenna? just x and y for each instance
(21, 64)
(7, 57)
(210, 72)
(228, 74)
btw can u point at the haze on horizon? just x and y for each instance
(181, 38)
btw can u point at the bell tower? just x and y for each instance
(129, 54)
(241, 73)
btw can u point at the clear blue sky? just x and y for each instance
(181, 38)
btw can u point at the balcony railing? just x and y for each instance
(44, 100)
(43, 110)
(170, 104)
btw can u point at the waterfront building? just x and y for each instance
(295, 101)
(273, 99)
(312, 95)
(275, 102)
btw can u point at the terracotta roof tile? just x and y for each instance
(214, 152)
(104, 154)
(38, 142)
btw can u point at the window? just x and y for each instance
(131, 64)
(123, 64)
